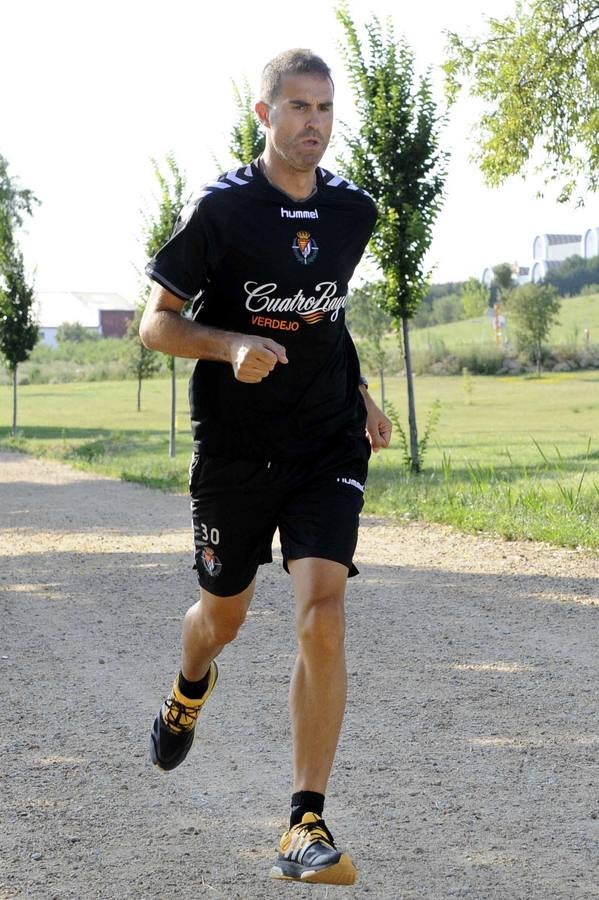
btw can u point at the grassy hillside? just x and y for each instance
(576, 314)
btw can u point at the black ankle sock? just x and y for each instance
(303, 802)
(194, 690)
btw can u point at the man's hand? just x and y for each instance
(378, 426)
(254, 357)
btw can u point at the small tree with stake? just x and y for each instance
(534, 309)
(18, 330)
(157, 231)
(367, 318)
(141, 362)
(395, 156)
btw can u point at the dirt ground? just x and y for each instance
(468, 765)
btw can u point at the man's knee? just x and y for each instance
(321, 625)
(218, 619)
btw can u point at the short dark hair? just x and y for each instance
(290, 62)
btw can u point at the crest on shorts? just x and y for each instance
(210, 561)
(305, 247)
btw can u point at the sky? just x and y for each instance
(92, 92)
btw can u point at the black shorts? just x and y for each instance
(236, 506)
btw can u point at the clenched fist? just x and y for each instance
(254, 357)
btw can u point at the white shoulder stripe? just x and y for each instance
(249, 172)
(232, 176)
(335, 181)
(221, 185)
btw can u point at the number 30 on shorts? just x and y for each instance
(211, 535)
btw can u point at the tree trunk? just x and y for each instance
(172, 448)
(382, 375)
(414, 454)
(139, 390)
(14, 402)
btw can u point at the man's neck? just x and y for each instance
(297, 185)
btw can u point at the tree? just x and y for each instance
(367, 319)
(503, 282)
(141, 362)
(75, 332)
(157, 231)
(538, 73)
(246, 140)
(573, 274)
(395, 156)
(15, 203)
(534, 309)
(475, 298)
(18, 329)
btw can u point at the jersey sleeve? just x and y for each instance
(184, 263)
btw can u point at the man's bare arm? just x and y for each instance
(164, 328)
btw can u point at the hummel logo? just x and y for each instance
(352, 482)
(299, 213)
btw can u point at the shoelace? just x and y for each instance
(180, 717)
(316, 831)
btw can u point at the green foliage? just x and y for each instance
(18, 328)
(158, 227)
(246, 141)
(589, 290)
(446, 309)
(395, 156)
(474, 298)
(366, 318)
(141, 362)
(75, 332)
(15, 203)
(533, 308)
(573, 275)
(432, 421)
(538, 73)
(503, 279)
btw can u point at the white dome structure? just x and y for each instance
(556, 247)
(589, 245)
(541, 267)
(487, 277)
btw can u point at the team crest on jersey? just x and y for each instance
(305, 247)
(210, 561)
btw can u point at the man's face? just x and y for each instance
(300, 120)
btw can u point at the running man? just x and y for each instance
(282, 421)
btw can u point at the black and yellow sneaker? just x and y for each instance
(307, 853)
(173, 729)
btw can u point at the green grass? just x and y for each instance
(512, 456)
(576, 314)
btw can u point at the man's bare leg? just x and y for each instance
(307, 851)
(319, 682)
(208, 625)
(211, 623)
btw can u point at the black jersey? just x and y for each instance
(255, 261)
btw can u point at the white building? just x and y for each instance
(106, 314)
(548, 251)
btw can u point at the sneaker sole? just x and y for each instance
(343, 872)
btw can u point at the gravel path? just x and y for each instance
(468, 765)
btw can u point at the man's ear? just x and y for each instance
(262, 111)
